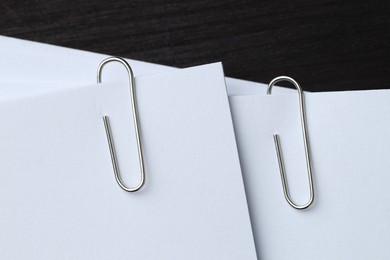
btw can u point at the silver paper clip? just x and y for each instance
(305, 141)
(136, 126)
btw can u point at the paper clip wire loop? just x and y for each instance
(136, 126)
(305, 141)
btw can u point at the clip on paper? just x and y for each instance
(136, 126)
(305, 141)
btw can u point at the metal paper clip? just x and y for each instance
(136, 126)
(305, 141)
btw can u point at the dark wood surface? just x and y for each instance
(324, 44)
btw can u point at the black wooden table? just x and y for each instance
(324, 44)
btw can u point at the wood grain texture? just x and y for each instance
(324, 44)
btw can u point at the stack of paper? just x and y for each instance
(58, 194)
(348, 134)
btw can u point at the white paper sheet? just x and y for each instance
(61, 67)
(349, 138)
(58, 195)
